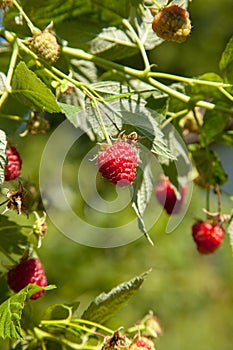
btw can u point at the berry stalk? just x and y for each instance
(31, 26)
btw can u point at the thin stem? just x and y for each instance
(15, 226)
(31, 26)
(40, 334)
(137, 328)
(64, 323)
(101, 62)
(139, 43)
(141, 75)
(107, 330)
(12, 117)
(12, 65)
(208, 200)
(84, 87)
(43, 345)
(10, 74)
(174, 116)
(225, 93)
(7, 200)
(190, 81)
(157, 4)
(196, 120)
(218, 193)
(100, 119)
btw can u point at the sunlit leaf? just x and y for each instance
(107, 304)
(31, 91)
(11, 312)
(226, 61)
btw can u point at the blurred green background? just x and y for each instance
(191, 294)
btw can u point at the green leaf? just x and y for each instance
(11, 312)
(209, 166)
(107, 304)
(177, 170)
(59, 11)
(143, 121)
(12, 240)
(199, 91)
(31, 91)
(113, 43)
(141, 194)
(226, 61)
(3, 143)
(71, 112)
(213, 124)
(84, 71)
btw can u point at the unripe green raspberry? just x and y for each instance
(172, 23)
(45, 46)
(5, 3)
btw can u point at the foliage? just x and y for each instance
(96, 87)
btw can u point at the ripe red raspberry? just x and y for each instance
(166, 195)
(172, 23)
(143, 343)
(14, 164)
(27, 271)
(118, 163)
(207, 236)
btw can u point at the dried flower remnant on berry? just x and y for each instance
(172, 23)
(18, 200)
(115, 341)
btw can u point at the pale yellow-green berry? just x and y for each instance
(45, 46)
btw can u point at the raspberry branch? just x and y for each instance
(143, 75)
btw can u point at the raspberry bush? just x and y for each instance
(81, 87)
